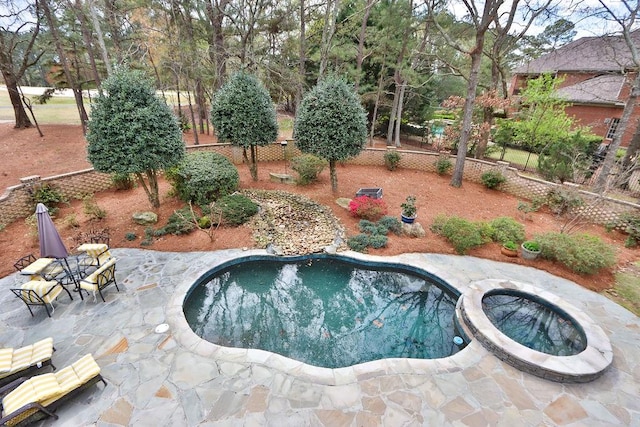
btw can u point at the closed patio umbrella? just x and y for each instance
(51, 244)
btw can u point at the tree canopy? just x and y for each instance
(331, 123)
(132, 131)
(242, 113)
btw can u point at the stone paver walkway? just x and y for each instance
(171, 379)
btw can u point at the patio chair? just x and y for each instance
(100, 279)
(40, 292)
(25, 361)
(96, 254)
(24, 261)
(25, 401)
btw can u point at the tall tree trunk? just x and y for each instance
(22, 119)
(374, 119)
(71, 80)
(302, 53)
(403, 87)
(467, 115)
(217, 53)
(394, 111)
(86, 37)
(634, 147)
(100, 37)
(361, 38)
(330, 17)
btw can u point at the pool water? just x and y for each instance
(534, 324)
(324, 311)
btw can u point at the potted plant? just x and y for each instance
(530, 249)
(509, 249)
(409, 209)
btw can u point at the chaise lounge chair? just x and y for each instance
(25, 401)
(25, 361)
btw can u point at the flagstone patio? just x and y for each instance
(168, 378)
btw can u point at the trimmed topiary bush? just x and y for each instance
(308, 168)
(203, 177)
(582, 253)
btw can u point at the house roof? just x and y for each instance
(603, 89)
(587, 54)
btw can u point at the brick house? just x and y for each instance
(598, 73)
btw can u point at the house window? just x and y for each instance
(613, 125)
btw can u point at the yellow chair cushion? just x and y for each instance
(41, 287)
(90, 283)
(45, 386)
(97, 253)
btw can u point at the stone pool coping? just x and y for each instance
(586, 366)
(582, 367)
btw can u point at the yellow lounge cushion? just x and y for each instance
(6, 355)
(19, 397)
(86, 368)
(37, 266)
(68, 379)
(21, 358)
(45, 386)
(42, 350)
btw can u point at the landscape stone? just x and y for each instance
(145, 218)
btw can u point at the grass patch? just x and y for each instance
(626, 292)
(518, 157)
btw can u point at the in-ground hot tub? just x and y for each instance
(535, 331)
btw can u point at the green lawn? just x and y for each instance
(518, 157)
(59, 110)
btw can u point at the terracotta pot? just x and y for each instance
(508, 252)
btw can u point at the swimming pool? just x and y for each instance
(323, 310)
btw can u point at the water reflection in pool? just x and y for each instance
(324, 311)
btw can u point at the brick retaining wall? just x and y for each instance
(15, 202)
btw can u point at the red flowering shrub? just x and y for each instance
(366, 207)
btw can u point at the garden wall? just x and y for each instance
(16, 201)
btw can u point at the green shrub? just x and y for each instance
(443, 165)
(378, 241)
(204, 221)
(91, 208)
(203, 177)
(49, 195)
(582, 253)
(505, 229)
(369, 227)
(561, 201)
(366, 207)
(235, 209)
(630, 223)
(130, 236)
(391, 223)
(122, 181)
(180, 222)
(71, 221)
(461, 233)
(491, 179)
(531, 245)
(359, 243)
(511, 245)
(308, 168)
(391, 159)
